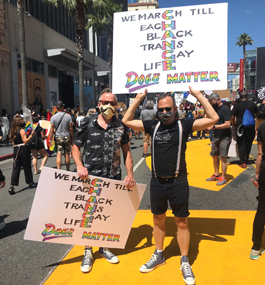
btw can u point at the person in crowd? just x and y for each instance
(79, 118)
(147, 114)
(137, 117)
(5, 126)
(102, 137)
(2, 185)
(37, 146)
(259, 182)
(261, 107)
(221, 139)
(62, 130)
(91, 111)
(21, 153)
(129, 130)
(169, 173)
(4, 112)
(181, 111)
(200, 115)
(191, 114)
(69, 112)
(244, 140)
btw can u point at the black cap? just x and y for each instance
(68, 110)
(59, 104)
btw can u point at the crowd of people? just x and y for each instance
(94, 141)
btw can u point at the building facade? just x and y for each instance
(52, 67)
(134, 5)
(6, 101)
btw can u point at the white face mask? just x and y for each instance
(107, 111)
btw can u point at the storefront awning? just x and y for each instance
(102, 73)
(66, 57)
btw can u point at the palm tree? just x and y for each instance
(244, 40)
(102, 21)
(79, 9)
(22, 48)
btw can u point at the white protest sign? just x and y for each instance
(208, 92)
(191, 99)
(171, 48)
(27, 115)
(178, 98)
(95, 212)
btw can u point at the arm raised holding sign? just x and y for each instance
(212, 116)
(128, 117)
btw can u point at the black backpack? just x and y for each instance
(261, 108)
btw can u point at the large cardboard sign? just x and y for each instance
(169, 49)
(95, 212)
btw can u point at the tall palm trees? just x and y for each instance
(79, 9)
(244, 40)
(22, 48)
(102, 20)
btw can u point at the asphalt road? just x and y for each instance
(28, 262)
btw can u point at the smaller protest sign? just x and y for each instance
(96, 211)
(27, 115)
(191, 99)
(45, 124)
(208, 92)
(178, 98)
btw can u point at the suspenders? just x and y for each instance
(179, 148)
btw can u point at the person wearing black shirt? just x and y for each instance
(169, 173)
(2, 185)
(244, 140)
(137, 117)
(221, 139)
(102, 136)
(259, 182)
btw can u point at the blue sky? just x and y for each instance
(244, 16)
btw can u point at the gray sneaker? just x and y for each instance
(109, 256)
(87, 262)
(255, 254)
(187, 273)
(221, 181)
(156, 260)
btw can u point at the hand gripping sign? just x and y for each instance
(95, 212)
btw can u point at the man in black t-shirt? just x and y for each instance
(221, 139)
(259, 182)
(244, 140)
(169, 174)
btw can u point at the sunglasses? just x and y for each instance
(112, 103)
(161, 110)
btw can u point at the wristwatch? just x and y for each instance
(213, 126)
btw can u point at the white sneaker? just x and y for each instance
(255, 254)
(2, 225)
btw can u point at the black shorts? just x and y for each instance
(173, 190)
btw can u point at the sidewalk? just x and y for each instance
(6, 151)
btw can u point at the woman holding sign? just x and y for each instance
(21, 153)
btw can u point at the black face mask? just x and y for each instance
(215, 106)
(166, 117)
(22, 125)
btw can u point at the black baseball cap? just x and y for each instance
(59, 104)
